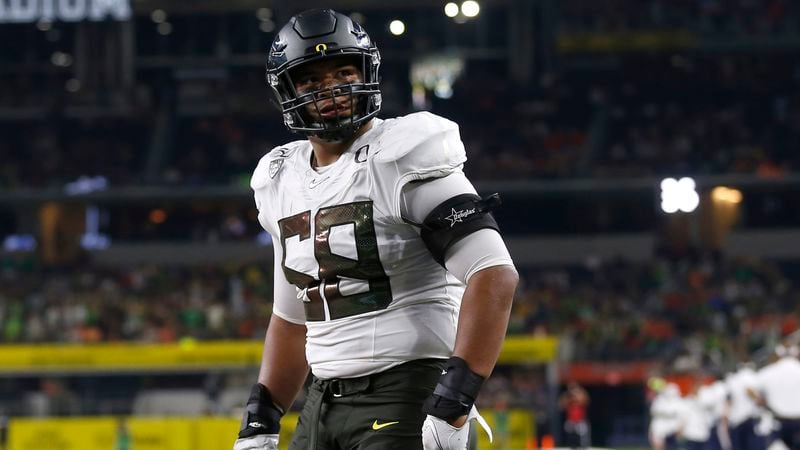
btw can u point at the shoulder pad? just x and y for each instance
(272, 163)
(421, 142)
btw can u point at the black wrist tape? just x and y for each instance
(262, 415)
(456, 391)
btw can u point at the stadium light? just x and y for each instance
(443, 89)
(157, 216)
(470, 8)
(679, 195)
(84, 184)
(61, 59)
(19, 243)
(451, 9)
(397, 27)
(158, 16)
(726, 195)
(92, 239)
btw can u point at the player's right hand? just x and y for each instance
(257, 442)
(261, 422)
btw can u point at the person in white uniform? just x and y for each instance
(714, 398)
(665, 420)
(392, 283)
(777, 388)
(695, 421)
(743, 410)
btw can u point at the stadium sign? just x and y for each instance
(27, 11)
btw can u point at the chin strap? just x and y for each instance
(338, 135)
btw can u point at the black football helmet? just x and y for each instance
(311, 36)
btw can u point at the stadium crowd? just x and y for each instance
(729, 17)
(146, 304)
(717, 115)
(691, 310)
(650, 115)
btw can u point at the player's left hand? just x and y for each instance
(437, 434)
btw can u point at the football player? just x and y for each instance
(713, 398)
(743, 410)
(695, 420)
(777, 388)
(665, 418)
(392, 282)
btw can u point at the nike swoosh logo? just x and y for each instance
(316, 182)
(377, 426)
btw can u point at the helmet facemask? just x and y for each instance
(302, 112)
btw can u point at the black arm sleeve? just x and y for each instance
(455, 218)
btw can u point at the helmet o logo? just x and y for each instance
(321, 47)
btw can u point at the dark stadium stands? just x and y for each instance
(573, 110)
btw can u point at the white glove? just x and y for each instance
(440, 435)
(257, 442)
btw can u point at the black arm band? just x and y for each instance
(455, 218)
(456, 391)
(262, 415)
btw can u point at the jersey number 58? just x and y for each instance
(324, 298)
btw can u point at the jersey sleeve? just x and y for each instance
(260, 183)
(285, 302)
(472, 253)
(419, 146)
(286, 305)
(266, 177)
(480, 250)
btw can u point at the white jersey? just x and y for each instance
(695, 420)
(779, 383)
(665, 419)
(742, 406)
(365, 285)
(714, 399)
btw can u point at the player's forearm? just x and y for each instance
(283, 363)
(483, 319)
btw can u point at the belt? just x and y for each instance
(336, 388)
(342, 387)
